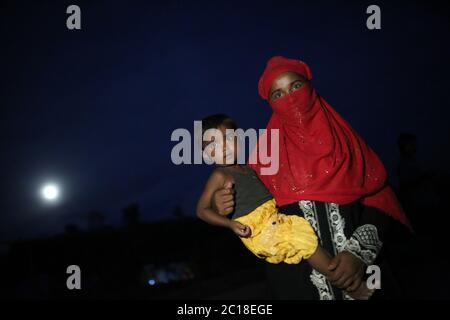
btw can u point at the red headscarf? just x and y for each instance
(321, 157)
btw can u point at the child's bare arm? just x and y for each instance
(204, 208)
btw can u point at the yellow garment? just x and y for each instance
(290, 239)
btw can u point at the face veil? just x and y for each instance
(321, 156)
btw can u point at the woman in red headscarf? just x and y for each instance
(329, 175)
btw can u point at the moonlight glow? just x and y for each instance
(50, 192)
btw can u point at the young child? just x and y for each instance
(270, 235)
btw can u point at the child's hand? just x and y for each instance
(240, 229)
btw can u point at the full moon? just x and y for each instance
(50, 192)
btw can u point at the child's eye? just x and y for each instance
(210, 146)
(230, 137)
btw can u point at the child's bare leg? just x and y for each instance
(321, 259)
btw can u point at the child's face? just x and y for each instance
(221, 152)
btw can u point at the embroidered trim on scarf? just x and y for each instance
(336, 224)
(365, 243)
(318, 280)
(322, 285)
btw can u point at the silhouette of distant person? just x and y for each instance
(417, 186)
(409, 169)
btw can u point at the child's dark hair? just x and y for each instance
(216, 120)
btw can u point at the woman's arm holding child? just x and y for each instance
(204, 208)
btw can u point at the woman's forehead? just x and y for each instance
(290, 75)
(285, 79)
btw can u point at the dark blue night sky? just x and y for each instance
(94, 109)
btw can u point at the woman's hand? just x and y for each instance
(347, 271)
(223, 200)
(240, 229)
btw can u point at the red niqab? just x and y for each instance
(321, 157)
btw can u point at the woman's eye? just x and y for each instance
(297, 85)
